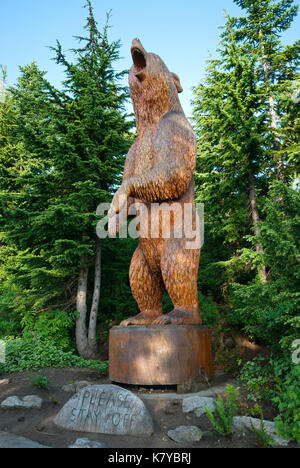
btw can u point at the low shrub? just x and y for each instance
(32, 353)
(40, 381)
(55, 326)
(276, 379)
(287, 400)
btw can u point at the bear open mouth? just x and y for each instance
(139, 59)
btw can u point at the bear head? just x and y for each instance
(153, 88)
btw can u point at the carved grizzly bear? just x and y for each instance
(159, 169)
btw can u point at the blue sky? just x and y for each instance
(183, 33)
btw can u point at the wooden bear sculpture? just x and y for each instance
(159, 170)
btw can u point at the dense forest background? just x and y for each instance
(62, 153)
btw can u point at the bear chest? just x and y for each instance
(145, 155)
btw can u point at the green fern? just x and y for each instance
(224, 411)
(263, 438)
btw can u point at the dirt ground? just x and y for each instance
(38, 425)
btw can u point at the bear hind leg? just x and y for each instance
(179, 270)
(147, 288)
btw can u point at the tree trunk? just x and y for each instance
(96, 298)
(272, 111)
(86, 337)
(2, 91)
(255, 221)
(81, 331)
(2, 86)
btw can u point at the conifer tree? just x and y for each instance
(233, 146)
(25, 179)
(248, 124)
(260, 29)
(89, 155)
(63, 155)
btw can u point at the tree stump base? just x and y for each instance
(160, 355)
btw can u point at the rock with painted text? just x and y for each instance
(106, 409)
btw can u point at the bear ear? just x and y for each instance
(177, 82)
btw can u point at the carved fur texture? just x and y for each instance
(159, 169)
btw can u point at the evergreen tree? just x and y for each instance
(240, 147)
(260, 29)
(89, 156)
(289, 131)
(25, 185)
(247, 120)
(67, 152)
(233, 143)
(8, 149)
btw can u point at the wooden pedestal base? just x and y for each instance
(160, 355)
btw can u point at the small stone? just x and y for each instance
(86, 443)
(69, 388)
(13, 441)
(242, 423)
(193, 387)
(11, 402)
(106, 409)
(185, 434)
(32, 401)
(28, 402)
(76, 386)
(229, 341)
(184, 388)
(4, 382)
(196, 404)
